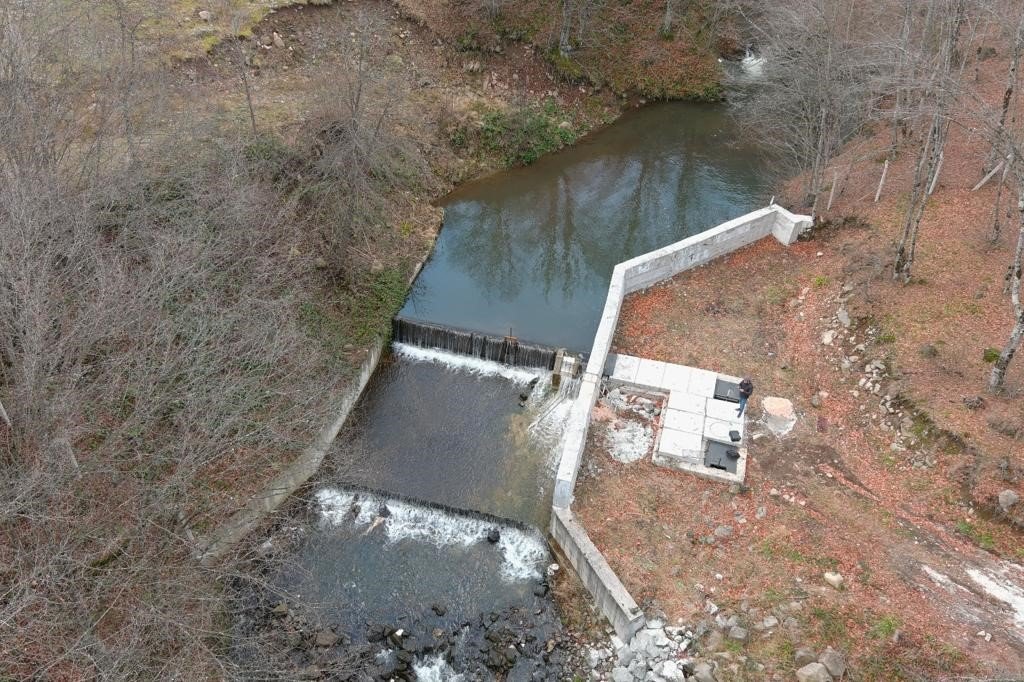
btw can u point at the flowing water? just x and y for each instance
(457, 432)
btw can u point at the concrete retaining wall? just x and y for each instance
(638, 273)
(610, 594)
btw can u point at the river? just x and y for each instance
(456, 447)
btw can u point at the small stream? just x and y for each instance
(433, 506)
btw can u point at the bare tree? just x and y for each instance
(938, 95)
(816, 91)
(1002, 363)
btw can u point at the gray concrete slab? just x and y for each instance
(687, 402)
(650, 373)
(678, 420)
(702, 382)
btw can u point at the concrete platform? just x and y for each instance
(692, 416)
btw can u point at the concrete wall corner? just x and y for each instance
(789, 226)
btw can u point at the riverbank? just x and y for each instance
(879, 526)
(456, 123)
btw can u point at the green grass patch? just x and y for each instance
(980, 536)
(831, 624)
(522, 135)
(990, 355)
(821, 281)
(773, 550)
(885, 627)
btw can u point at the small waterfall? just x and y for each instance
(504, 349)
(569, 388)
(522, 547)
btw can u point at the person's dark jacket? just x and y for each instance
(746, 387)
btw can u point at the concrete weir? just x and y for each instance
(633, 275)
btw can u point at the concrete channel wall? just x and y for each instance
(296, 474)
(627, 277)
(608, 591)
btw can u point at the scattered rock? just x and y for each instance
(278, 40)
(493, 535)
(326, 638)
(813, 672)
(803, 656)
(565, 125)
(737, 633)
(704, 672)
(974, 402)
(723, 532)
(828, 337)
(281, 610)
(713, 641)
(834, 579)
(816, 400)
(310, 673)
(1008, 498)
(761, 512)
(834, 661)
(205, 14)
(438, 609)
(620, 674)
(843, 317)
(670, 672)
(769, 622)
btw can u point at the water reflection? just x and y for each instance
(531, 250)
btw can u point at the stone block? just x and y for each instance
(677, 378)
(688, 422)
(624, 368)
(717, 429)
(702, 382)
(650, 373)
(723, 410)
(687, 402)
(679, 444)
(779, 415)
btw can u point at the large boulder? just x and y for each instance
(834, 661)
(813, 672)
(704, 672)
(1007, 499)
(779, 415)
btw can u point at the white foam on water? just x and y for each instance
(523, 552)
(548, 428)
(753, 64)
(435, 669)
(468, 364)
(338, 506)
(1002, 587)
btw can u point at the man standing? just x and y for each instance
(746, 388)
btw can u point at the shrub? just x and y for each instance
(521, 136)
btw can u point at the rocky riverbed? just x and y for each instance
(279, 629)
(665, 653)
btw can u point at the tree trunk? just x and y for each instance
(1013, 343)
(1011, 84)
(666, 22)
(564, 44)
